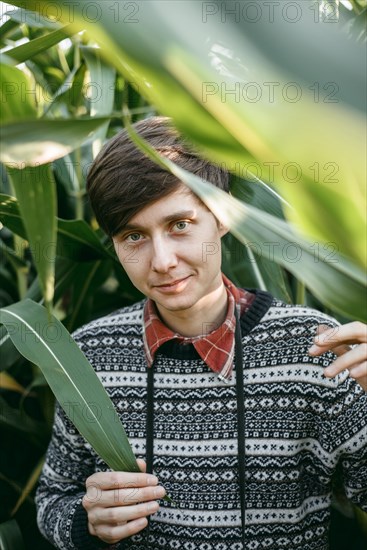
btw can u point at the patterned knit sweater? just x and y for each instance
(299, 427)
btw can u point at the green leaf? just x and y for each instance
(341, 215)
(32, 19)
(47, 343)
(16, 104)
(8, 288)
(40, 44)
(70, 92)
(250, 270)
(102, 86)
(257, 193)
(361, 517)
(11, 536)
(10, 216)
(6, 28)
(7, 382)
(9, 353)
(29, 486)
(66, 174)
(89, 276)
(14, 419)
(40, 141)
(35, 189)
(205, 68)
(76, 240)
(326, 273)
(16, 262)
(65, 274)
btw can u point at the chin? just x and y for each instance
(177, 304)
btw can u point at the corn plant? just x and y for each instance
(288, 128)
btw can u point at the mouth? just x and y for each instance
(174, 286)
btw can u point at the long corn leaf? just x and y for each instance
(35, 189)
(319, 268)
(38, 45)
(32, 19)
(102, 80)
(15, 104)
(40, 141)
(11, 536)
(29, 486)
(75, 238)
(72, 379)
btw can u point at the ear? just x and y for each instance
(223, 230)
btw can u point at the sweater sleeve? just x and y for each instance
(343, 428)
(349, 438)
(340, 407)
(60, 515)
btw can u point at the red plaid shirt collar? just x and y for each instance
(216, 348)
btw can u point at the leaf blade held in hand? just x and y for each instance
(47, 343)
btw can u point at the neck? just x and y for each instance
(207, 315)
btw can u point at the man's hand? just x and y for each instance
(339, 340)
(117, 503)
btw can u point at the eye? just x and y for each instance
(181, 225)
(133, 237)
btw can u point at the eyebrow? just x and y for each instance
(166, 219)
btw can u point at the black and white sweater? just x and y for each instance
(299, 427)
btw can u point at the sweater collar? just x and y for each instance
(216, 348)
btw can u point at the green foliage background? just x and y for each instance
(66, 84)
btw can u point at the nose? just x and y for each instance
(163, 256)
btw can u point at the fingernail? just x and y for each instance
(152, 480)
(319, 338)
(313, 349)
(159, 492)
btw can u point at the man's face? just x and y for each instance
(171, 252)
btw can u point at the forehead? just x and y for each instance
(182, 198)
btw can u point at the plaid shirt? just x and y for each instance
(216, 348)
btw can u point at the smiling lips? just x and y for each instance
(174, 286)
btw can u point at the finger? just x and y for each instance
(319, 350)
(352, 359)
(120, 515)
(142, 464)
(320, 343)
(321, 328)
(339, 350)
(102, 481)
(113, 534)
(351, 333)
(359, 373)
(122, 496)
(133, 495)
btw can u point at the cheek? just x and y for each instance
(211, 252)
(136, 274)
(130, 259)
(127, 253)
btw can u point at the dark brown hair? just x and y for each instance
(122, 180)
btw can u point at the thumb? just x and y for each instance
(142, 465)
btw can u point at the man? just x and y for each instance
(214, 384)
